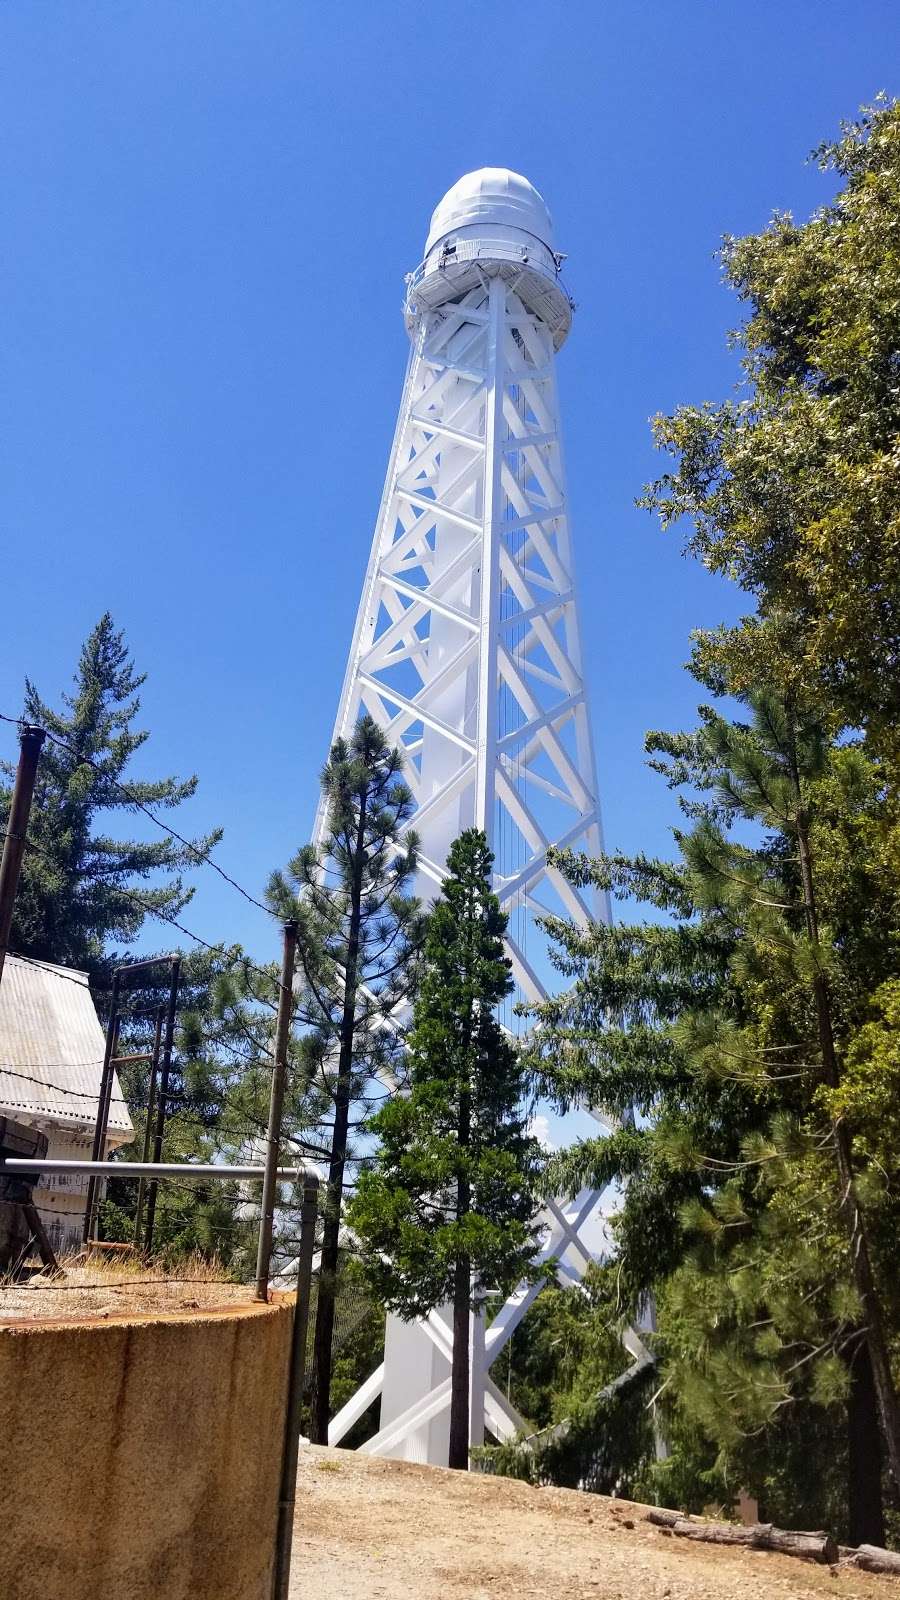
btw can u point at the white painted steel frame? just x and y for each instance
(467, 652)
(561, 1223)
(468, 612)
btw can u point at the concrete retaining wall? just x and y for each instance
(141, 1455)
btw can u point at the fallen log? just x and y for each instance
(873, 1559)
(818, 1546)
(661, 1518)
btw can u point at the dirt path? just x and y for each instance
(368, 1529)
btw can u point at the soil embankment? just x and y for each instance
(368, 1529)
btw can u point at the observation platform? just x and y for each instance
(492, 223)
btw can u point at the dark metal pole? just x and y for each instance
(287, 1492)
(97, 1150)
(151, 1096)
(276, 1105)
(162, 1097)
(30, 744)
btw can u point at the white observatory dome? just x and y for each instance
(491, 223)
(491, 195)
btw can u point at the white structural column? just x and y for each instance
(466, 651)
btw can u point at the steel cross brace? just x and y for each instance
(563, 1221)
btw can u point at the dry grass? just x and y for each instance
(94, 1285)
(372, 1529)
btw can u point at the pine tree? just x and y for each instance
(792, 491)
(357, 945)
(766, 774)
(83, 891)
(448, 1207)
(756, 1208)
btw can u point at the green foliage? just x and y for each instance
(461, 1130)
(604, 1445)
(359, 931)
(754, 1035)
(359, 925)
(589, 1426)
(565, 1349)
(868, 1095)
(708, 1028)
(793, 490)
(83, 891)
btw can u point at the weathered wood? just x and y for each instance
(662, 1518)
(817, 1546)
(19, 1222)
(874, 1559)
(39, 1233)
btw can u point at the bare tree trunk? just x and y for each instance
(865, 1509)
(334, 1192)
(459, 1381)
(325, 1299)
(874, 1560)
(462, 1296)
(819, 1546)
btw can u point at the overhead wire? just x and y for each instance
(202, 857)
(176, 1099)
(209, 1125)
(162, 916)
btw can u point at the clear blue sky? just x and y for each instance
(208, 208)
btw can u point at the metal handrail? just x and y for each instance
(150, 1169)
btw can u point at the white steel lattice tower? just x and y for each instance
(466, 651)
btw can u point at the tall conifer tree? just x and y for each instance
(755, 1206)
(357, 946)
(447, 1210)
(83, 891)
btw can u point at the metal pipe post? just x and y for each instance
(97, 1148)
(276, 1105)
(163, 1097)
(151, 1096)
(287, 1493)
(31, 742)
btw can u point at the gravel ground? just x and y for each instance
(368, 1529)
(102, 1289)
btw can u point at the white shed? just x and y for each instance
(51, 1056)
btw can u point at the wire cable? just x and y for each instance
(201, 856)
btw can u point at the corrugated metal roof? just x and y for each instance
(51, 1049)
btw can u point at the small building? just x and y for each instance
(51, 1058)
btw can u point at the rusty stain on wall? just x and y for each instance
(141, 1454)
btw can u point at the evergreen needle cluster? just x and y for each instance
(446, 1211)
(746, 1034)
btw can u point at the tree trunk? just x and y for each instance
(876, 1340)
(460, 1376)
(331, 1232)
(872, 1559)
(851, 1212)
(865, 1511)
(334, 1192)
(819, 1546)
